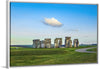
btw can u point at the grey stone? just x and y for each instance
(47, 43)
(68, 42)
(76, 43)
(36, 43)
(57, 42)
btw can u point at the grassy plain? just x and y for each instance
(49, 56)
(94, 49)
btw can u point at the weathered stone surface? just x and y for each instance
(68, 42)
(76, 43)
(48, 43)
(57, 42)
(36, 43)
(42, 44)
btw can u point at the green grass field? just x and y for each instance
(94, 49)
(49, 56)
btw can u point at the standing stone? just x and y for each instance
(48, 43)
(57, 42)
(42, 44)
(76, 43)
(68, 42)
(36, 43)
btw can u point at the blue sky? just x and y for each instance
(27, 22)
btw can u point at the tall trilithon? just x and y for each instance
(57, 42)
(48, 43)
(68, 42)
(76, 43)
(43, 44)
(36, 43)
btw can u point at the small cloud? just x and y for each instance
(52, 22)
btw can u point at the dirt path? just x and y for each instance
(85, 50)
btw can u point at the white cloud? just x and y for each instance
(52, 22)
